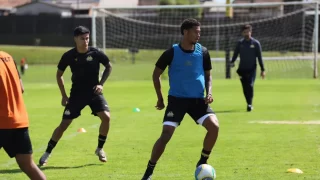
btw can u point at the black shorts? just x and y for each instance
(178, 107)
(76, 103)
(15, 141)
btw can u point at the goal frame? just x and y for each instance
(268, 4)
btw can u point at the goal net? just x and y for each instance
(288, 33)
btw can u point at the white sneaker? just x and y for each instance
(44, 159)
(101, 154)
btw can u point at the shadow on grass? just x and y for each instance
(13, 171)
(230, 111)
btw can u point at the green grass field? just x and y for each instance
(145, 59)
(245, 149)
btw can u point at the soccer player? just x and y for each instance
(84, 62)
(189, 77)
(22, 65)
(14, 122)
(249, 50)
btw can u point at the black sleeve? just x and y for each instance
(64, 62)
(103, 58)
(236, 52)
(206, 59)
(259, 55)
(165, 59)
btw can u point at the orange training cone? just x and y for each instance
(82, 130)
(295, 170)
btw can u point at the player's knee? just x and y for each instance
(24, 167)
(64, 125)
(31, 169)
(104, 116)
(166, 134)
(211, 124)
(24, 161)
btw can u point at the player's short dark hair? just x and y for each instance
(80, 30)
(188, 24)
(245, 27)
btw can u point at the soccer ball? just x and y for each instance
(205, 172)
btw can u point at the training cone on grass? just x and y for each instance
(294, 170)
(81, 130)
(136, 110)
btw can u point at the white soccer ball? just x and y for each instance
(205, 172)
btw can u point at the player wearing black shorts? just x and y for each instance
(84, 62)
(14, 121)
(189, 77)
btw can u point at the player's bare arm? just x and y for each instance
(106, 73)
(207, 66)
(21, 84)
(157, 86)
(208, 84)
(60, 82)
(162, 63)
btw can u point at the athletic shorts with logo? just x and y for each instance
(178, 107)
(76, 103)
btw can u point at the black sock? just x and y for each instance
(149, 169)
(151, 165)
(101, 141)
(204, 156)
(51, 145)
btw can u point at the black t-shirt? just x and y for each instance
(85, 68)
(167, 57)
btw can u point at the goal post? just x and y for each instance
(316, 40)
(288, 33)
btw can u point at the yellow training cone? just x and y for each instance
(81, 130)
(295, 170)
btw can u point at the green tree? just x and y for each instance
(182, 2)
(166, 2)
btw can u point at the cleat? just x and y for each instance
(101, 154)
(199, 163)
(44, 159)
(147, 178)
